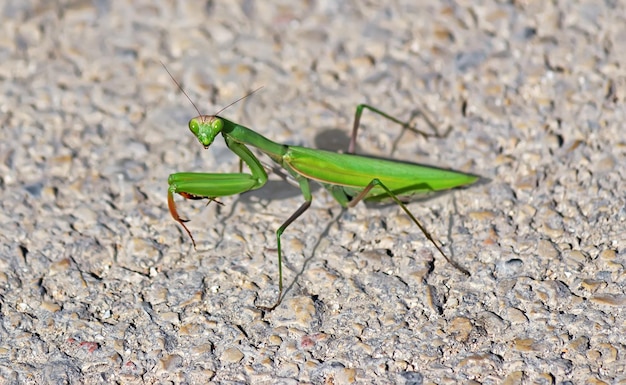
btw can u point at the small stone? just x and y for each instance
(514, 378)
(232, 355)
(593, 355)
(547, 250)
(461, 327)
(345, 376)
(524, 344)
(50, 306)
(593, 285)
(171, 363)
(580, 344)
(608, 255)
(295, 312)
(609, 352)
(171, 317)
(275, 340)
(492, 323)
(484, 215)
(288, 370)
(595, 381)
(203, 349)
(59, 267)
(609, 299)
(516, 316)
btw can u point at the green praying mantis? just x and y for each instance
(349, 178)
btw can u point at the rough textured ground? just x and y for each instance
(99, 285)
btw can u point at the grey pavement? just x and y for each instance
(98, 284)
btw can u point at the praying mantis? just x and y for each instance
(348, 177)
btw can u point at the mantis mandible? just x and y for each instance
(348, 177)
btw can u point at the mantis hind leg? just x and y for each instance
(376, 182)
(406, 125)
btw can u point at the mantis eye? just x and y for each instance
(194, 126)
(216, 125)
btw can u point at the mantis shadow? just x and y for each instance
(308, 259)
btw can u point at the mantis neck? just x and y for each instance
(246, 136)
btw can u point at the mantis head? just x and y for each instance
(206, 128)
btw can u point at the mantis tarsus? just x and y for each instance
(348, 177)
